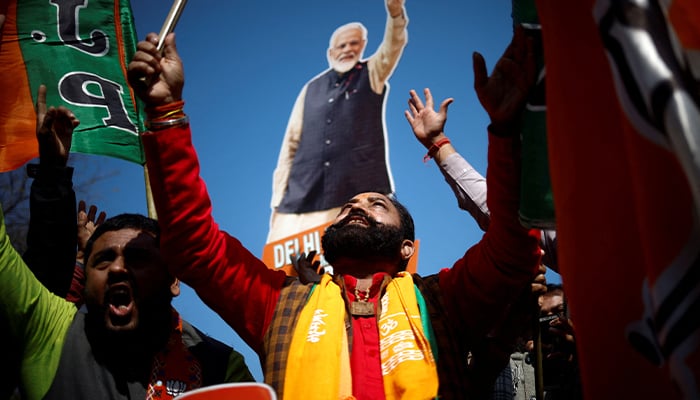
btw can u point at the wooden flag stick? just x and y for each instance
(150, 205)
(537, 336)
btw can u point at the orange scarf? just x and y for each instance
(175, 370)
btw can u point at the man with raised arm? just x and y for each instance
(335, 144)
(371, 331)
(130, 343)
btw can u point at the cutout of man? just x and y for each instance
(335, 144)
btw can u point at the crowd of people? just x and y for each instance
(89, 303)
(86, 311)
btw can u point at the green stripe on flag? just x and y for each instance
(80, 50)
(536, 200)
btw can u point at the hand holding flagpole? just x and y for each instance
(168, 26)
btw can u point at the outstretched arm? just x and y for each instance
(229, 278)
(51, 239)
(503, 93)
(428, 127)
(481, 284)
(383, 62)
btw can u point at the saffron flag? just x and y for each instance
(80, 51)
(622, 81)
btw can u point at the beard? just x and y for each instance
(345, 65)
(342, 67)
(376, 241)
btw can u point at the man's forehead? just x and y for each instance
(125, 236)
(347, 33)
(370, 196)
(551, 301)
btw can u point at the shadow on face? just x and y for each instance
(127, 280)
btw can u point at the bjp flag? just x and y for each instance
(622, 112)
(79, 50)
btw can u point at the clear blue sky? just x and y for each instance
(244, 65)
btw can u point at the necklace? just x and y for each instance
(361, 306)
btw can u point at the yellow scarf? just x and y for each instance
(318, 365)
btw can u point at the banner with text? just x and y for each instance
(80, 51)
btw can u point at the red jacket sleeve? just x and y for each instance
(226, 276)
(493, 272)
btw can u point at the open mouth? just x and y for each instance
(120, 300)
(357, 221)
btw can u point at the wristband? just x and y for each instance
(434, 149)
(155, 125)
(166, 111)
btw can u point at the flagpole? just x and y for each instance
(150, 204)
(537, 341)
(168, 26)
(170, 21)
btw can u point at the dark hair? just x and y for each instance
(123, 221)
(408, 229)
(407, 226)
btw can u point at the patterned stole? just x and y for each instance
(318, 362)
(175, 370)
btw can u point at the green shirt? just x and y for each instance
(37, 318)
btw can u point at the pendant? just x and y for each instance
(361, 308)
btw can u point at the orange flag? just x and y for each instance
(621, 89)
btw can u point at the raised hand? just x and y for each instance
(87, 223)
(306, 267)
(427, 124)
(54, 131)
(157, 78)
(395, 7)
(564, 342)
(503, 94)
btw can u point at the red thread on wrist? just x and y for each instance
(434, 149)
(166, 111)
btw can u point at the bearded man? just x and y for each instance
(371, 331)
